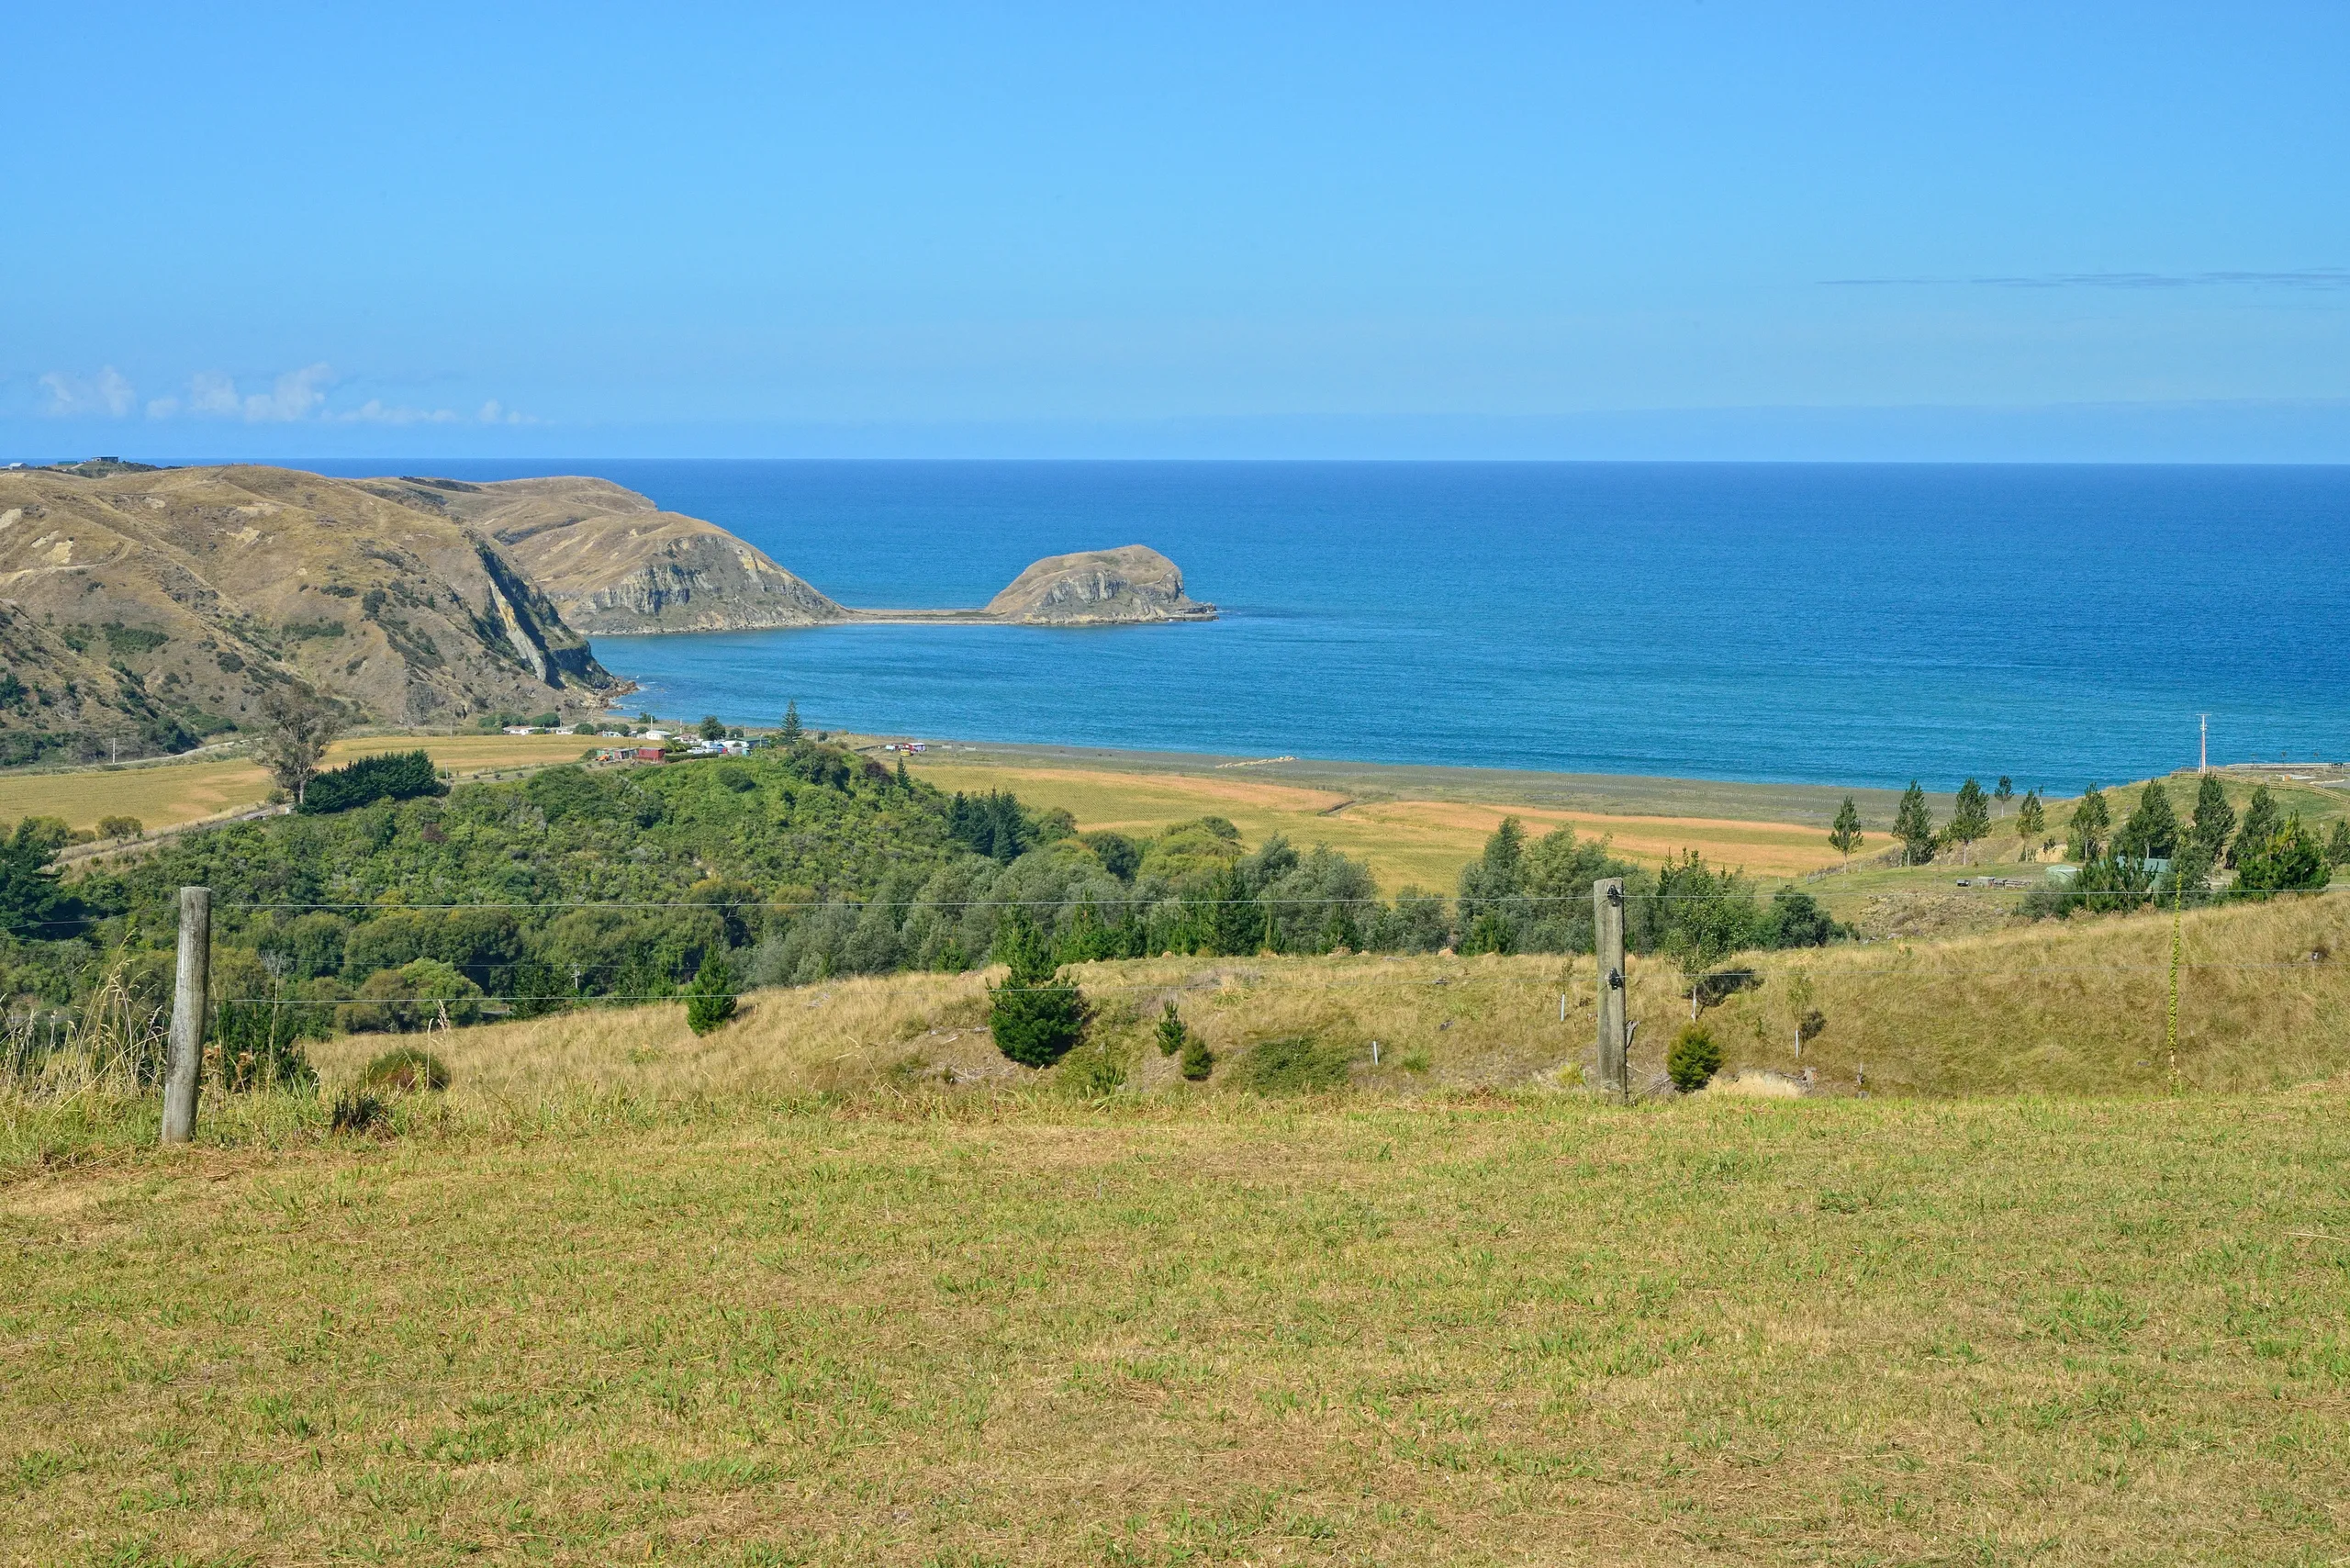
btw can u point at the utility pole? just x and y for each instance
(1607, 927)
(185, 1059)
(2203, 758)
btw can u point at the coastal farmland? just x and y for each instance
(1407, 841)
(165, 794)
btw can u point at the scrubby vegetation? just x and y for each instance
(394, 905)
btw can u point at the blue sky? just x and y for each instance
(1667, 230)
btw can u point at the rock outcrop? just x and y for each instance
(613, 561)
(1099, 587)
(140, 609)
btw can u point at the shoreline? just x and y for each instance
(1606, 793)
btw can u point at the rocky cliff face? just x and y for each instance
(613, 561)
(138, 609)
(1097, 587)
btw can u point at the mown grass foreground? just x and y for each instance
(921, 1331)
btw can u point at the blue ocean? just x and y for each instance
(1832, 624)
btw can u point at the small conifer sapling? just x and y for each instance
(1171, 1033)
(709, 999)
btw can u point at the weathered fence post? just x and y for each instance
(1608, 927)
(184, 1059)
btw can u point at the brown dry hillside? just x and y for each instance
(140, 606)
(614, 562)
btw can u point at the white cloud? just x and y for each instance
(74, 396)
(297, 395)
(374, 411)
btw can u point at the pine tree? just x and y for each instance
(1970, 818)
(2214, 818)
(1692, 1058)
(903, 782)
(711, 729)
(1197, 1062)
(1035, 1015)
(2337, 848)
(709, 999)
(2151, 831)
(2085, 839)
(2288, 859)
(1913, 824)
(1845, 837)
(1171, 1033)
(792, 730)
(2005, 791)
(2032, 820)
(2262, 821)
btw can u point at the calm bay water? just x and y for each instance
(1833, 623)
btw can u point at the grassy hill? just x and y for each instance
(2077, 1007)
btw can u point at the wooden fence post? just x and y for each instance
(184, 1062)
(1607, 928)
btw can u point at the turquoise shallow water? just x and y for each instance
(1835, 623)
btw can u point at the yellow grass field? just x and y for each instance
(167, 794)
(1421, 842)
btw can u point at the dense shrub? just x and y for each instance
(417, 995)
(395, 775)
(1197, 1062)
(2288, 860)
(710, 1000)
(1035, 1015)
(1172, 1036)
(1692, 1058)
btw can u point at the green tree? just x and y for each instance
(1172, 1036)
(710, 729)
(792, 730)
(1707, 915)
(1035, 1015)
(1692, 1058)
(1913, 824)
(30, 899)
(2032, 820)
(1845, 837)
(296, 727)
(1197, 1062)
(710, 1000)
(2337, 848)
(2262, 821)
(2214, 818)
(2151, 831)
(2084, 838)
(1970, 818)
(2288, 860)
(2005, 791)
(903, 782)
